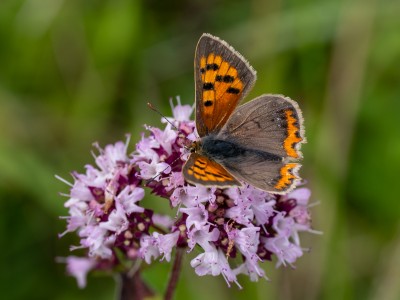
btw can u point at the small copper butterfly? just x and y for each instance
(257, 142)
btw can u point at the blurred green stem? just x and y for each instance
(176, 270)
(132, 287)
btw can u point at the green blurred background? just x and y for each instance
(75, 72)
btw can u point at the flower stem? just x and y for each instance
(176, 269)
(132, 287)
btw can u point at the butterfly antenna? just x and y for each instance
(155, 176)
(180, 157)
(157, 111)
(170, 166)
(151, 106)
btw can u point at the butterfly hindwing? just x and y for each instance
(269, 123)
(223, 77)
(264, 171)
(200, 170)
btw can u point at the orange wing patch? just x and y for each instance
(200, 169)
(207, 170)
(221, 91)
(293, 134)
(287, 176)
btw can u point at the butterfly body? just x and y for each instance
(257, 142)
(228, 153)
(220, 150)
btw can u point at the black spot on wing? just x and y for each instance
(232, 90)
(207, 86)
(213, 67)
(225, 78)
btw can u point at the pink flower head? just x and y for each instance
(235, 229)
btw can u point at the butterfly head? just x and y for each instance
(194, 147)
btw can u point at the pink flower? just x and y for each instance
(286, 251)
(165, 138)
(97, 240)
(153, 169)
(247, 240)
(163, 220)
(145, 147)
(203, 237)
(117, 220)
(166, 242)
(128, 198)
(180, 112)
(300, 213)
(197, 216)
(251, 268)
(213, 262)
(79, 267)
(284, 226)
(191, 196)
(112, 157)
(149, 248)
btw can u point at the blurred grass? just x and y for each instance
(75, 72)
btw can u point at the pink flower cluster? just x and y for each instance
(235, 229)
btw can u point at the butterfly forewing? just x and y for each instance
(269, 123)
(223, 77)
(200, 169)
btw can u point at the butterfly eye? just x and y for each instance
(192, 147)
